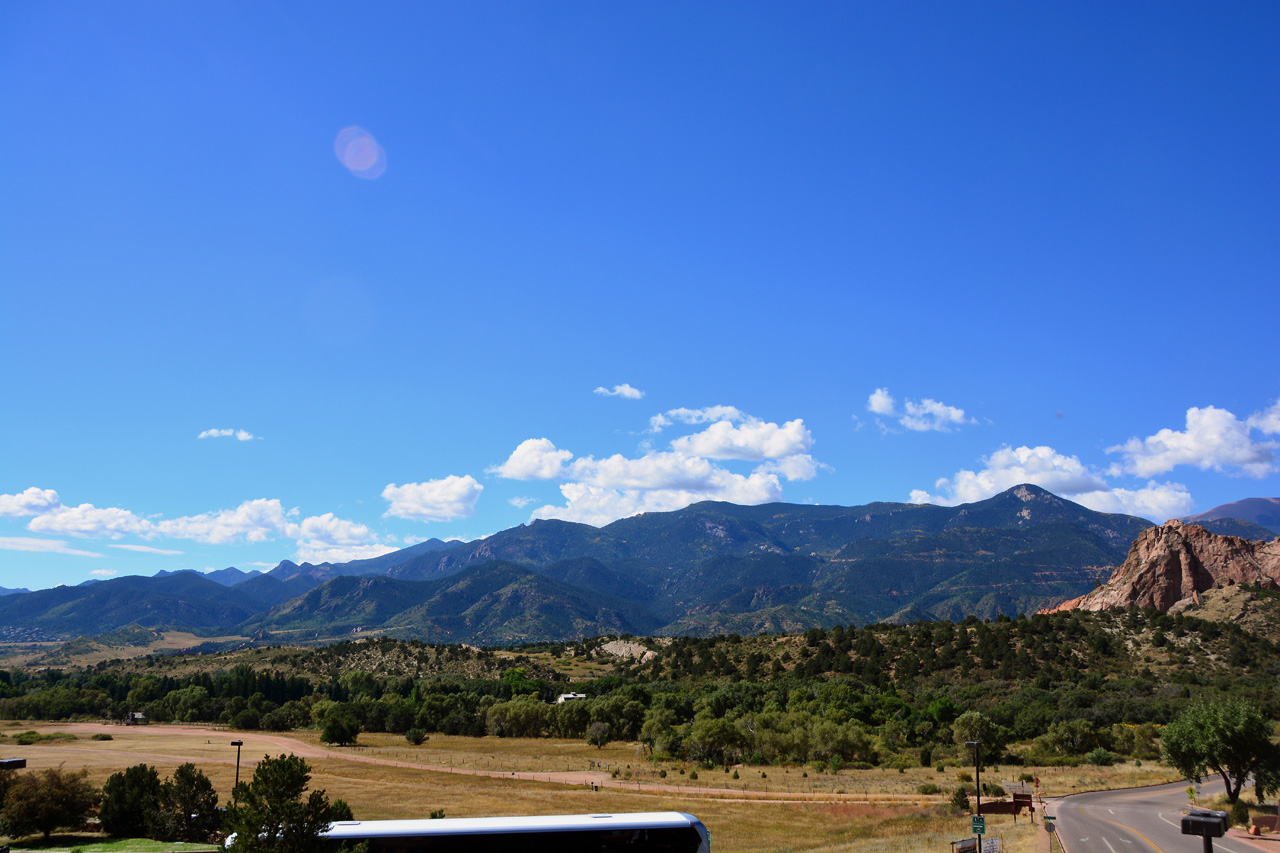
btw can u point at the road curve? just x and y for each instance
(1137, 820)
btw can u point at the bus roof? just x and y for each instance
(356, 829)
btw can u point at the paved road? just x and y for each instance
(1134, 821)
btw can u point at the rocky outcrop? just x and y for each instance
(1174, 562)
(624, 649)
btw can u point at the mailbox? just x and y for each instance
(1204, 823)
(12, 763)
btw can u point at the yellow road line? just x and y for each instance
(1122, 826)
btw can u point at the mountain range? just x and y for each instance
(709, 568)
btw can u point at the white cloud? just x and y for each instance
(1061, 474)
(623, 390)
(145, 549)
(520, 502)
(881, 403)
(710, 414)
(1012, 466)
(598, 491)
(49, 546)
(103, 573)
(320, 537)
(598, 505)
(802, 466)
(1213, 439)
(754, 440)
(930, 415)
(31, 501)
(925, 415)
(330, 531)
(435, 500)
(533, 459)
(310, 552)
(255, 520)
(1156, 501)
(1266, 421)
(238, 434)
(89, 521)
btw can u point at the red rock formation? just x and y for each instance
(1176, 562)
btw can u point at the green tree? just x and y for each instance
(187, 808)
(270, 815)
(598, 734)
(128, 801)
(340, 730)
(44, 801)
(1230, 737)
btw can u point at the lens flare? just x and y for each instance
(356, 149)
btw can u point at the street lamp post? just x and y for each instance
(976, 745)
(237, 744)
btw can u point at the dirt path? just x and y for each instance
(596, 779)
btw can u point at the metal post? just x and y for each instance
(237, 744)
(976, 745)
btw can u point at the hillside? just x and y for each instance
(184, 598)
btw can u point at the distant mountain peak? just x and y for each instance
(1264, 512)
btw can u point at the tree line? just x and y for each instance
(273, 811)
(1065, 687)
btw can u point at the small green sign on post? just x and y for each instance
(979, 825)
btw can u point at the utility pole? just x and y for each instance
(978, 823)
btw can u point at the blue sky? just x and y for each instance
(315, 280)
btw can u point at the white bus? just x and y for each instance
(660, 832)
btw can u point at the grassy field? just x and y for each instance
(387, 778)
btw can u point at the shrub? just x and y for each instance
(926, 756)
(101, 736)
(416, 736)
(1100, 757)
(693, 775)
(340, 810)
(43, 801)
(1239, 813)
(960, 800)
(735, 774)
(662, 774)
(928, 789)
(965, 777)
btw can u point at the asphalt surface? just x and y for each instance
(1135, 821)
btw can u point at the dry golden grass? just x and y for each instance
(24, 654)
(377, 790)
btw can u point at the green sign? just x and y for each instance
(979, 824)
